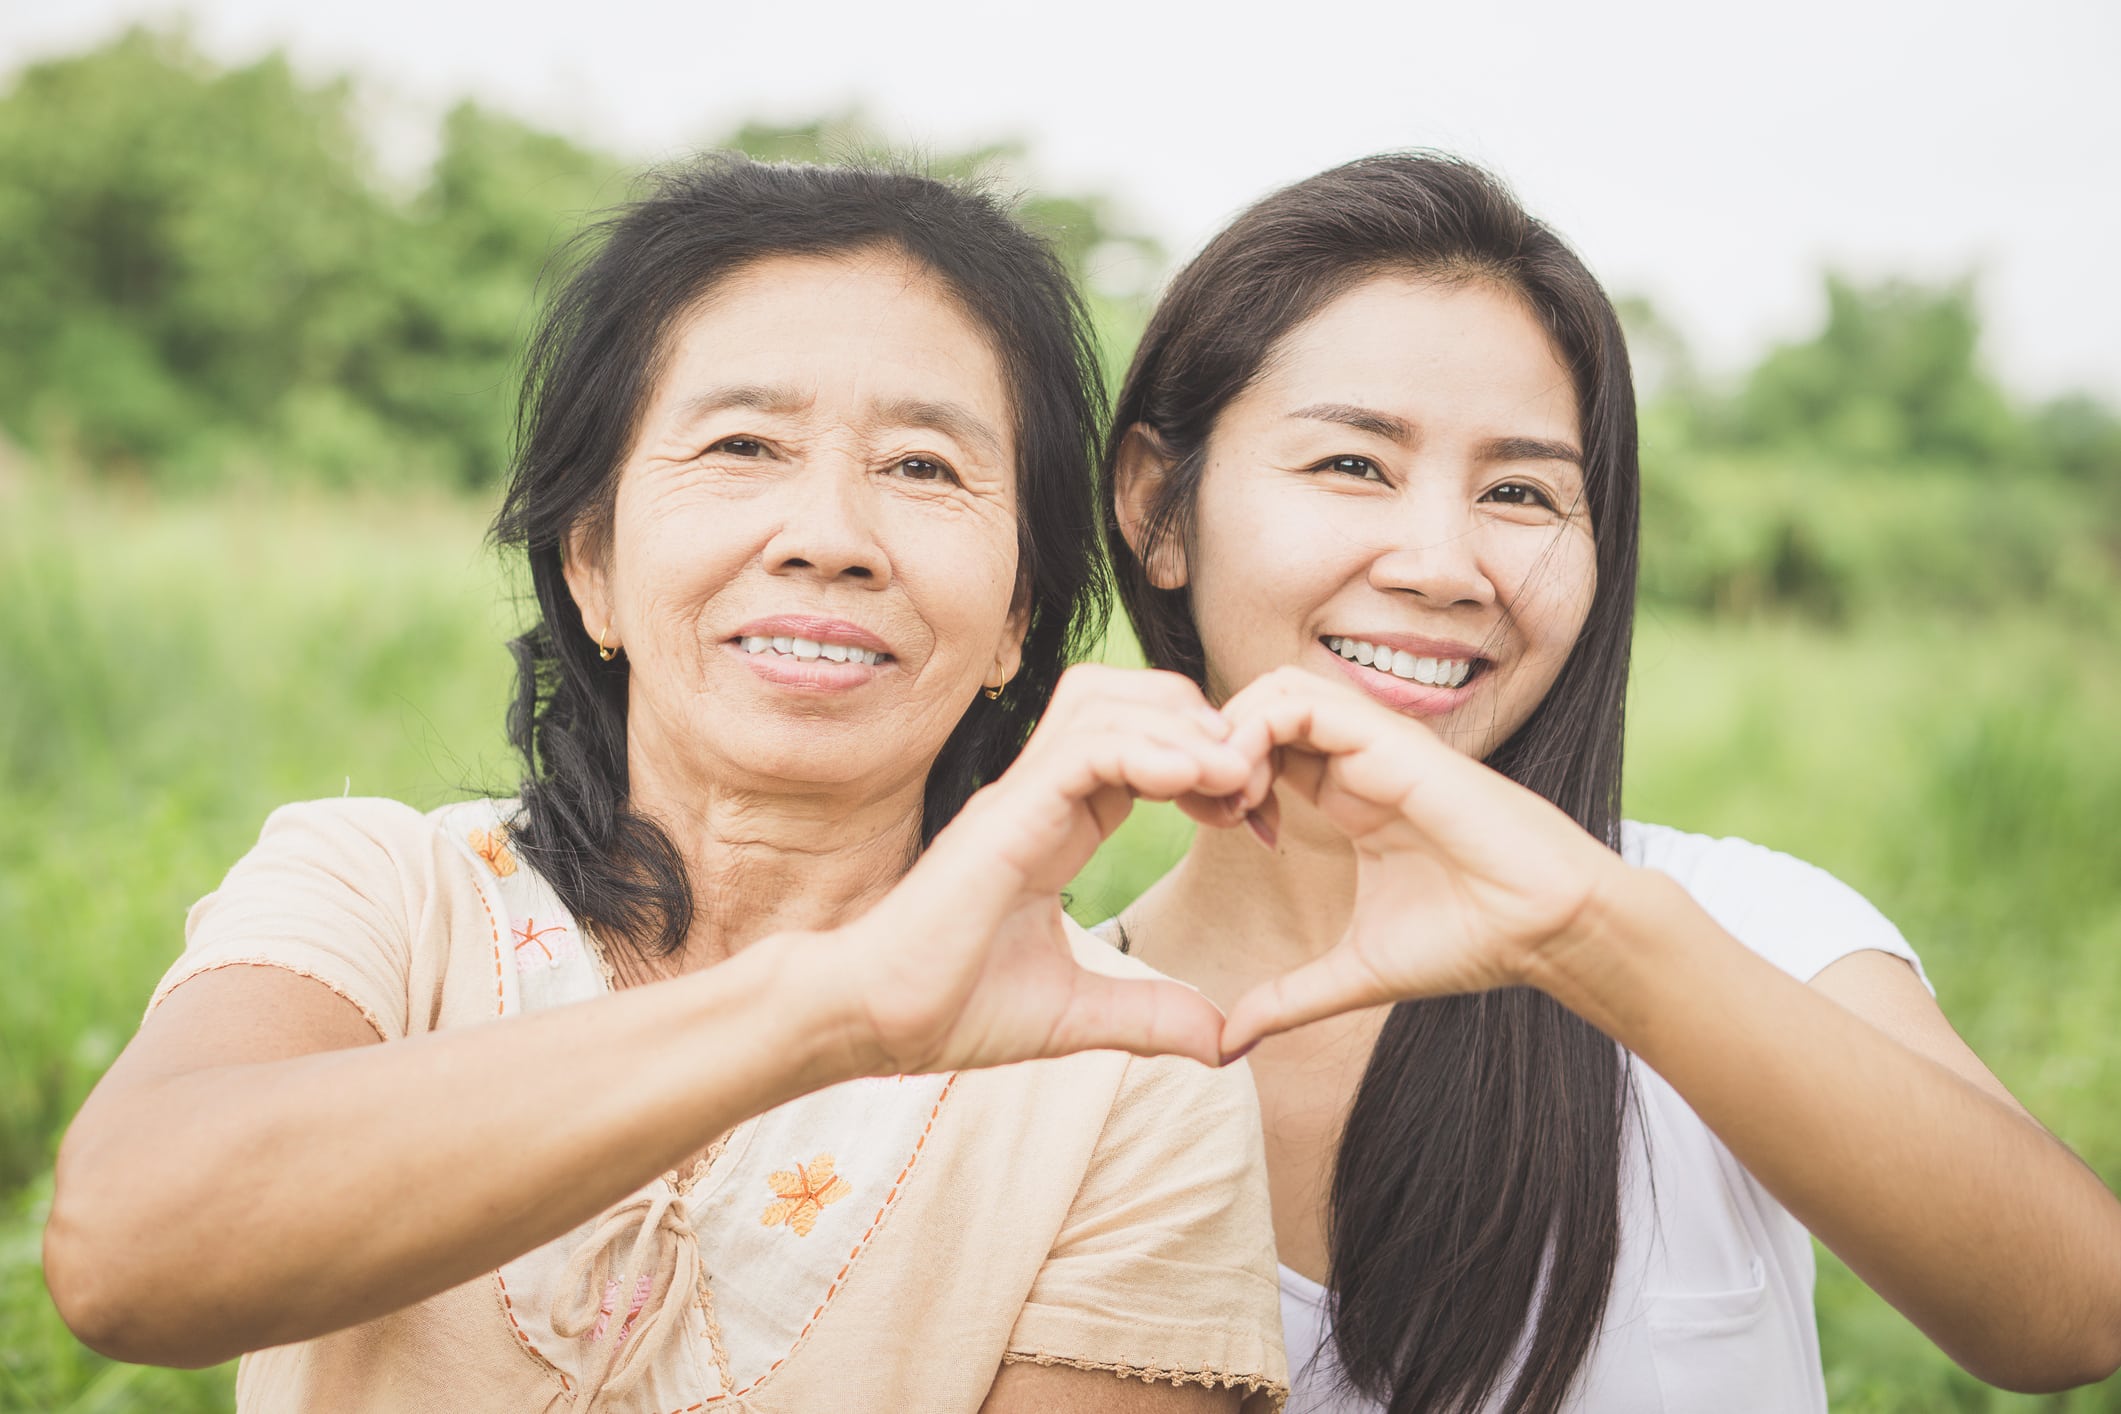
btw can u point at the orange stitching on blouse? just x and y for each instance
(492, 846)
(804, 1192)
(848, 1266)
(508, 1309)
(531, 935)
(500, 991)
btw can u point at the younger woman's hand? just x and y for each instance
(967, 963)
(1462, 874)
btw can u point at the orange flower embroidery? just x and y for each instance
(804, 1192)
(492, 846)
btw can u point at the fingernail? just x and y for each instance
(1260, 829)
(1245, 1050)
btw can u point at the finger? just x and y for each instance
(1148, 1017)
(1154, 757)
(1323, 987)
(1217, 812)
(1084, 687)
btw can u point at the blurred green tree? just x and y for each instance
(1894, 376)
(203, 275)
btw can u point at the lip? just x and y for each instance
(810, 626)
(814, 674)
(1417, 699)
(1408, 643)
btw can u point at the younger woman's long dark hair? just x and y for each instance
(592, 366)
(1475, 1221)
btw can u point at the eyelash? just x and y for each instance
(942, 468)
(1369, 471)
(1536, 495)
(1335, 464)
(757, 449)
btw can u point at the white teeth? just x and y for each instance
(1433, 672)
(809, 650)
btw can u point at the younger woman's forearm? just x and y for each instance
(1962, 1212)
(204, 1214)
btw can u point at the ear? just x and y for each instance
(582, 563)
(1009, 655)
(1138, 475)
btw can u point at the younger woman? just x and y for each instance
(1375, 489)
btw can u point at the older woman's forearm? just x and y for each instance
(1959, 1209)
(203, 1212)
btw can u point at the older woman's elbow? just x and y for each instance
(99, 1283)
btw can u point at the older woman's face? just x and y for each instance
(812, 563)
(1398, 501)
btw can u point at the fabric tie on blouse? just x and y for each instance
(628, 1313)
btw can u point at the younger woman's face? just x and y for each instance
(1398, 501)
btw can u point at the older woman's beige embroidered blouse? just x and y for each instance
(883, 1244)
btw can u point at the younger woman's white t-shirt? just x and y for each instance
(1711, 1310)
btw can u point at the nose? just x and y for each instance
(828, 530)
(1432, 551)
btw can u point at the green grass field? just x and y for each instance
(170, 672)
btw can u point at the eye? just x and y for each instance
(740, 447)
(924, 469)
(1361, 468)
(1518, 493)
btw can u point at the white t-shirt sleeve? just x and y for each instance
(1794, 914)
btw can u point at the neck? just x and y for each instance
(763, 860)
(1232, 914)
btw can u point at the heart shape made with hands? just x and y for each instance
(1462, 875)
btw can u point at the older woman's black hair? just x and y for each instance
(1478, 1176)
(592, 366)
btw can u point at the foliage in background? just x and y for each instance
(1880, 613)
(204, 279)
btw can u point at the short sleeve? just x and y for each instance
(1165, 1265)
(325, 893)
(1794, 914)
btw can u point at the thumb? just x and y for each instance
(1144, 1016)
(1323, 987)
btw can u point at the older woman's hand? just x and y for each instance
(967, 962)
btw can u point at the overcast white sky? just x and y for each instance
(1712, 157)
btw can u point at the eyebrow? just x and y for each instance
(1362, 419)
(951, 419)
(1529, 449)
(1398, 429)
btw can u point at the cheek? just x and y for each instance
(1556, 581)
(1259, 567)
(960, 572)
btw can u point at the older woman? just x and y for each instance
(657, 1089)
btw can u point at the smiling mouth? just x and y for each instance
(1430, 672)
(810, 650)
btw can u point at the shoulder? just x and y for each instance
(1795, 914)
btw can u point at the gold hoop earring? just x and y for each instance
(607, 654)
(992, 694)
